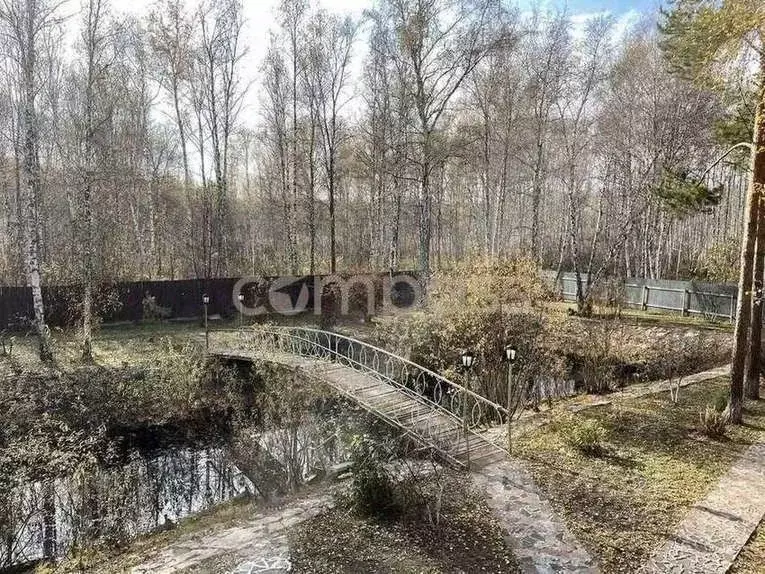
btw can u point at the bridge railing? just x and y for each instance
(470, 409)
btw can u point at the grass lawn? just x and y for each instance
(113, 346)
(134, 344)
(650, 317)
(751, 560)
(656, 465)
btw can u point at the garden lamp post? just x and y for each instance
(205, 303)
(241, 309)
(468, 360)
(510, 355)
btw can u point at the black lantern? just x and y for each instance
(205, 299)
(510, 353)
(468, 359)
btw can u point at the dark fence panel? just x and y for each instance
(181, 299)
(15, 305)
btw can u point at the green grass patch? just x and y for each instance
(654, 466)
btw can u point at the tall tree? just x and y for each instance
(700, 35)
(439, 44)
(330, 46)
(293, 14)
(93, 48)
(548, 61)
(171, 41)
(222, 91)
(275, 108)
(25, 27)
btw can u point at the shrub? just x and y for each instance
(676, 354)
(331, 300)
(6, 344)
(152, 310)
(593, 372)
(372, 491)
(720, 263)
(483, 308)
(720, 402)
(65, 307)
(511, 282)
(586, 436)
(713, 422)
(593, 365)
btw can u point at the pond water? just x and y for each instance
(151, 490)
(148, 492)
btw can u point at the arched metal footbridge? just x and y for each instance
(440, 414)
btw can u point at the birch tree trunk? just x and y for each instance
(92, 50)
(29, 24)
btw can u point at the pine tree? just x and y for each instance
(701, 37)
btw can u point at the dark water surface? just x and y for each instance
(147, 492)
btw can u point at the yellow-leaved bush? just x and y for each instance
(483, 307)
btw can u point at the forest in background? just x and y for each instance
(418, 136)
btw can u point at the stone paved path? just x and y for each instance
(261, 543)
(539, 539)
(714, 531)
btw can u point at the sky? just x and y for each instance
(616, 7)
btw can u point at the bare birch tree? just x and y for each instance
(24, 27)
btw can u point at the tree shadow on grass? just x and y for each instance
(656, 426)
(625, 502)
(466, 539)
(753, 426)
(622, 461)
(610, 516)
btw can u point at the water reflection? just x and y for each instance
(45, 520)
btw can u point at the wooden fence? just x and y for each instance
(710, 300)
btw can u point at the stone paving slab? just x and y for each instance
(265, 565)
(259, 541)
(540, 540)
(714, 531)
